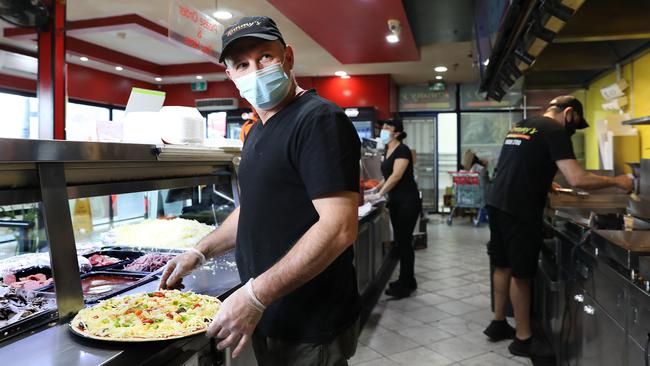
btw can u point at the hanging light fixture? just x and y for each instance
(220, 14)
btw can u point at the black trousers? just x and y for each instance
(404, 215)
(276, 352)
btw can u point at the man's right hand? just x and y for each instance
(625, 182)
(177, 268)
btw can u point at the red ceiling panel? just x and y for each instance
(358, 91)
(353, 31)
(86, 84)
(17, 83)
(181, 94)
(80, 47)
(192, 69)
(101, 87)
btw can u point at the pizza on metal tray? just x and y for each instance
(152, 316)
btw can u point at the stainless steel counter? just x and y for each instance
(635, 241)
(56, 345)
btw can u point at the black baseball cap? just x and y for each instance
(257, 27)
(566, 101)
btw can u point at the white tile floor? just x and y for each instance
(443, 322)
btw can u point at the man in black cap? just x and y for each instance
(532, 153)
(297, 219)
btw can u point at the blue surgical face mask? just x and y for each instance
(385, 136)
(264, 88)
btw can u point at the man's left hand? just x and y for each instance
(555, 186)
(235, 322)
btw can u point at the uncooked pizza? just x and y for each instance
(151, 316)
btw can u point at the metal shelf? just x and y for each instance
(52, 172)
(638, 121)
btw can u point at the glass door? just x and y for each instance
(421, 139)
(483, 133)
(447, 154)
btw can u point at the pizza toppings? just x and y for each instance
(28, 283)
(148, 316)
(101, 260)
(17, 304)
(149, 262)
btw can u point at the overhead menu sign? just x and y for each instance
(195, 29)
(425, 98)
(471, 99)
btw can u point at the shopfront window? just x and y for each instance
(483, 133)
(19, 116)
(80, 121)
(118, 114)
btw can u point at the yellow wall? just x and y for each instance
(637, 74)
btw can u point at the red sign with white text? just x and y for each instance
(195, 29)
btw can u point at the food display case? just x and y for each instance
(81, 222)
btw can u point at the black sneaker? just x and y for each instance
(398, 291)
(413, 285)
(499, 330)
(531, 348)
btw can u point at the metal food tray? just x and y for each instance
(125, 256)
(28, 271)
(123, 247)
(119, 268)
(74, 331)
(89, 299)
(29, 323)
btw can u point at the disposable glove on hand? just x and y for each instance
(179, 267)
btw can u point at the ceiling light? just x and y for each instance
(158, 78)
(395, 29)
(340, 73)
(345, 77)
(440, 69)
(438, 77)
(392, 38)
(83, 58)
(119, 68)
(222, 15)
(199, 77)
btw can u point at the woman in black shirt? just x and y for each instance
(403, 203)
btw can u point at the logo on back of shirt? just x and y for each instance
(518, 135)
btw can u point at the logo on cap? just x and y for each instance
(242, 26)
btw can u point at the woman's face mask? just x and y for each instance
(386, 136)
(264, 88)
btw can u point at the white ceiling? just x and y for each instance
(311, 58)
(142, 46)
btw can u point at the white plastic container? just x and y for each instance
(172, 124)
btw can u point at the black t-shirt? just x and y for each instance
(406, 189)
(527, 166)
(308, 149)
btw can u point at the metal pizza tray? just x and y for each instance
(77, 333)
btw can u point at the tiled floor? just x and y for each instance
(442, 324)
